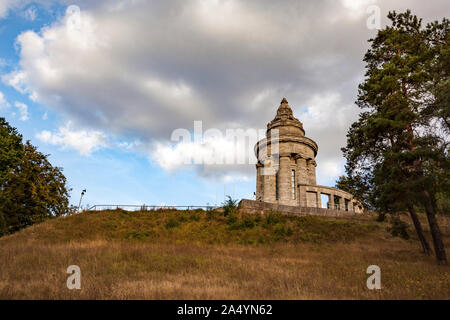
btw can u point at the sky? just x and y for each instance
(113, 89)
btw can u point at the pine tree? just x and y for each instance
(400, 142)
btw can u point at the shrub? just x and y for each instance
(172, 222)
(280, 229)
(273, 217)
(381, 217)
(210, 213)
(181, 217)
(232, 219)
(443, 203)
(248, 222)
(137, 235)
(193, 216)
(399, 228)
(229, 206)
(236, 223)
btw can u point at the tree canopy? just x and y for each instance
(11, 148)
(397, 151)
(31, 189)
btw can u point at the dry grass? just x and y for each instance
(170, 261)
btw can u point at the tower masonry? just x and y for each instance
(286, 168)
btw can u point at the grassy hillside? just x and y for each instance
(185, 255)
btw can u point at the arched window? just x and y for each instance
(293, 184)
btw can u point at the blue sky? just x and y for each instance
(104, 97)
(111, 176)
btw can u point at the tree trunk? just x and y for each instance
(425, 246)
(439, 249)
(434, 229)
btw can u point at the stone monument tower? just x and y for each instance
(286, 168)
(293, 164)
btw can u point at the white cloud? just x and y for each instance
(329, 170)
(23, 110)
(214, 151)
(226, 157)
(130, 146)
(5, 5)
(357, 5)
(3, 102)
(8, 5)
(139, 69)
(84, 141)
(198, 62)
(175, 157)
(30, 13)
(16, 80)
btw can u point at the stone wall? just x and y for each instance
(260, 207)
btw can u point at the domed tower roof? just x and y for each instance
(287, 132)
(284, 111)
(285, 118)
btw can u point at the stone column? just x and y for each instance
(258, 182)
(302, 175)
(350, 205)
(269, 188)
(341, 203)
(312, 172)
(268, 183)
(331, 201)
(319, 200)
(284, 180)
(302, 196)
(302, 179)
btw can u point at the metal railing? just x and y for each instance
(144, 207)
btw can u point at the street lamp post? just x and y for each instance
(82, 194)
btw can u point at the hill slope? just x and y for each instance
(186, 255)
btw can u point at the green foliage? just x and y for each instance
(32, 190)
(381, 217)
(280, 229)
(443, 204)
(195, 215)
(399, 228)
(398, 148)
(231, 218)
(246, 222)
(137, 235)
(273, 217)
(211, 214)
(3, 224)
(230, 206)
(168, 226)
(172, 222)
(357, 186)
(11, 149)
